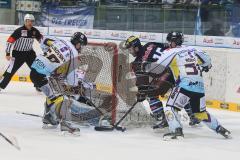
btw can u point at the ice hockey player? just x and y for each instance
(60, 57)
(189, 87)
(146, 54)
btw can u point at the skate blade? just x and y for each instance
(169, 138)
(67, 133)
(49, 126)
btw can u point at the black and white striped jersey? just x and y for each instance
(22, 39)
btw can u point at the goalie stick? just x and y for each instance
(116, 126)
(13, 142)
(145, 90)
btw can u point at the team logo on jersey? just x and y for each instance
(40, 64)
(24, 33)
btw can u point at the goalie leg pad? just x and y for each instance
(72, 110)
(52, 109)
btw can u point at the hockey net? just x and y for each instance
(109, 68)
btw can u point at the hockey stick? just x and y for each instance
(12, 142)
(39, 116)
(115, 126)
(29, 114)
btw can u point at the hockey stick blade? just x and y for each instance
(12, 141)
(116, 126)
(104, 128)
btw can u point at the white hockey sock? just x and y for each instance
(172, 118)
(211, 122)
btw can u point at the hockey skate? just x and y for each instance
(178, 134)
(224, 132)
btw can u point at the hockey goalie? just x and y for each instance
(56, 72)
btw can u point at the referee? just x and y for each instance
(21, 40)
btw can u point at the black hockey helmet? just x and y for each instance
(79, 37)
(176, 37)
(132, 41)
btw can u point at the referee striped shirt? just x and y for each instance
(22, 39)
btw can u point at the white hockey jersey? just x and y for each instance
(185, 63)
(57, 52)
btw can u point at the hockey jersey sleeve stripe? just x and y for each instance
(11, 40)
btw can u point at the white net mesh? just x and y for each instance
(108, 68)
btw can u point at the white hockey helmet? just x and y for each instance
(29, 17)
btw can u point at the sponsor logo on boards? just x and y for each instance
(224, 105)
(23, 79)
(206, 40)
(236, 42)
(238, 107)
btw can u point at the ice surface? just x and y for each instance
(140, 144)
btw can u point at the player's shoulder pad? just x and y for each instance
(48, 41)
